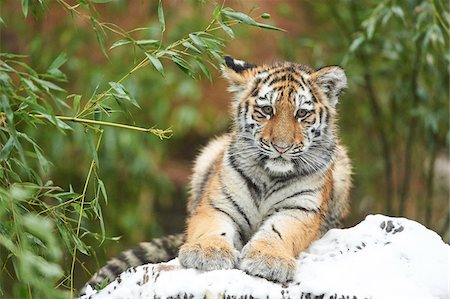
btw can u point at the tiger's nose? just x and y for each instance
(281, 147)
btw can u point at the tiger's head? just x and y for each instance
(284, 114)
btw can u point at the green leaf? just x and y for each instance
(216, 12)
(162, 22)
(240, 17)
(6, 149)
(100, 35)
(45, 164)
(182, 64)
(197, 41)
(101, 1)
(191, 47)
(356, 43)
(144, 42)
(122, 93)
(92, 147)
(103, 190)
(227, 29)
(119, 43)
(57, 122)
(269, 27)
(265, 15)
(76, 102)
(248, 20)
(25, 7)
(204, 69)
(398, 11)
(156, 63)
(48, 85)
(60, 60)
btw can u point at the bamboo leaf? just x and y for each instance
(197, 41)
(59, 61)
(227, 29)
(144, 42)
(156, 63)
(162, 22)
(47, 85)
(204, 69)
(119, 43)
(122, 93)
(25, 7)
(191, 47)
(92, 148)
(240, 17)
(6, 149)
(103, 190)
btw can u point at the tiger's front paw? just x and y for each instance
(208, 254)
(262, 259)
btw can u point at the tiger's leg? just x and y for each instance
(273, 250)
(210, 238)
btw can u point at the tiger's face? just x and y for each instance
(284, 114)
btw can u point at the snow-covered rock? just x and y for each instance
(382, 257)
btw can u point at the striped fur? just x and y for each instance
(156, 251)
(262, 193)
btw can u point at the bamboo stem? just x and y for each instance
(163, 134)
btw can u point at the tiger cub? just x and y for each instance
(262, 193)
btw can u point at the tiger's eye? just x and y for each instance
(301, 113)
(268, 110)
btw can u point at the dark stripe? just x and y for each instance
(276, 188)
(255, 89)
(292, 79)
(252, 187)
(115, 269)
(141, 254)
(276, 231)
(170, 248)
(290, 92)
(320, 114)
(301, 192)
(298, 208)
(295, 194)
(327, 115)
(236, 206)
(292, 208)
(239, 111)
(238, 226)
(202, 185)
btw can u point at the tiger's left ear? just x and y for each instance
(331, 80)
(236, 72)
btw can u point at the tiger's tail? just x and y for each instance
(156, 251)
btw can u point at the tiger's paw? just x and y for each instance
(208, 254)
(270, 262)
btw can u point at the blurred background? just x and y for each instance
(394, 116)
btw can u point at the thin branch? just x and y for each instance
(404, 189)
(83, 197)
(162, 134)
(429, 179)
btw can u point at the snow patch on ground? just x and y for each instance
(382, 257)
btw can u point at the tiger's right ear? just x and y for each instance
(236, 72)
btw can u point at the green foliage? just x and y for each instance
(397, 55)
(41, 222)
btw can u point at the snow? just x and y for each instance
(382, 257)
